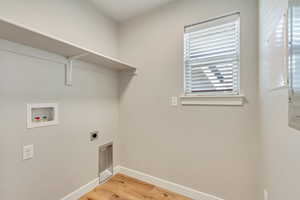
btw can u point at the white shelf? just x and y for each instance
(26, 36)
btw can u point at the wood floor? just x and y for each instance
(121, 187)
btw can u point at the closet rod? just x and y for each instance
(32, 56)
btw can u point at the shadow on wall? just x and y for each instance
(125, 78)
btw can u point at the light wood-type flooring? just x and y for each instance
(121, 187)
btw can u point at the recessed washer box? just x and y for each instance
(42, 114)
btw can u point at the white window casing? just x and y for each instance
(212, 61)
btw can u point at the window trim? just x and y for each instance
(220, 94)
(217, 100)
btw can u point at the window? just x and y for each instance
(212, 56)
(294, 48)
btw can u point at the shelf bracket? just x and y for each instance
(69, 68)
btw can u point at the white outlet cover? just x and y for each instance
(266, 195)
(28, 152)
(174, 101)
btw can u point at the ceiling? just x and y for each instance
(122, 10)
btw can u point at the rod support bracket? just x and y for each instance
(69, 68)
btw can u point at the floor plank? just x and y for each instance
(121, 187)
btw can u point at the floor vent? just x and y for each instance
(105, 162)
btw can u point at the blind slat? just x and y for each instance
(214, 28)
(214, 62)
(221, 32)
(202, 41)
(212, 58)
(208, 52)
(209, 57)
(212, 48)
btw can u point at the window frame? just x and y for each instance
(236, 93)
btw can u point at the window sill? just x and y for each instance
(234, 100)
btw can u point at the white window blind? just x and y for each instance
(212, 56)
(294, 48)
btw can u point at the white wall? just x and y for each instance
(76, 21)
(280, 144)
(211, 149)
(64, 159)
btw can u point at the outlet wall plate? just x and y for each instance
(174, 101)
(28, 152)
(266, 195)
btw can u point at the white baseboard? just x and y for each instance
(179, 189)
(82, 190)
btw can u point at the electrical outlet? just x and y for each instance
(94, 135)
(28, 152)
(174, 101)
(266, 195)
